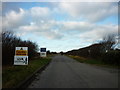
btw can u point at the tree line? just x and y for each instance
(10, 41)
(103, 50)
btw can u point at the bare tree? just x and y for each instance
(108, 42)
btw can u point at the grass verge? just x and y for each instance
(13, 75)
(93, 62)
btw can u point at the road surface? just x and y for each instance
(64, 72)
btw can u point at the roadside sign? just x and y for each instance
(21, 56)
(43, 49)
(43, 52)
(20, 60)
(21, 51)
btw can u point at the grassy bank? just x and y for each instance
(93, 61)
(13, 75)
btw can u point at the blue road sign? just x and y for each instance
(43, 50)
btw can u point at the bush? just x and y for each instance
(111, 57)
(9, 42)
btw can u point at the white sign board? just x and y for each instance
(20, 60)
(43, 54)
(21, 56)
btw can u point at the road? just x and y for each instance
(64, 72)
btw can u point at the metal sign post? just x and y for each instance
(21, 56)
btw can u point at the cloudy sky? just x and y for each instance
(61, 26)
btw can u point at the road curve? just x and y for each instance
(64, 72)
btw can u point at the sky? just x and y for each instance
(61, 26)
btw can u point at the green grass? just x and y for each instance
(13, 75)
(93, 62)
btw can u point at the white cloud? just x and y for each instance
(43, 29)
(39, 13)
(91, 11)
(28, 28)
(53, 34)
(13, 19)
(77, 26)
(98, 32)
(41, 22)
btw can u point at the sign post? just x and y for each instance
(21, 56)
(43, 52)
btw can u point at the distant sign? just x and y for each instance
(43, 50)
(21, 56)
(43, 54)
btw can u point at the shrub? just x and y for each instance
(9, 42)
(111, 57)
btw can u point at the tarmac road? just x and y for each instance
(64, 72)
